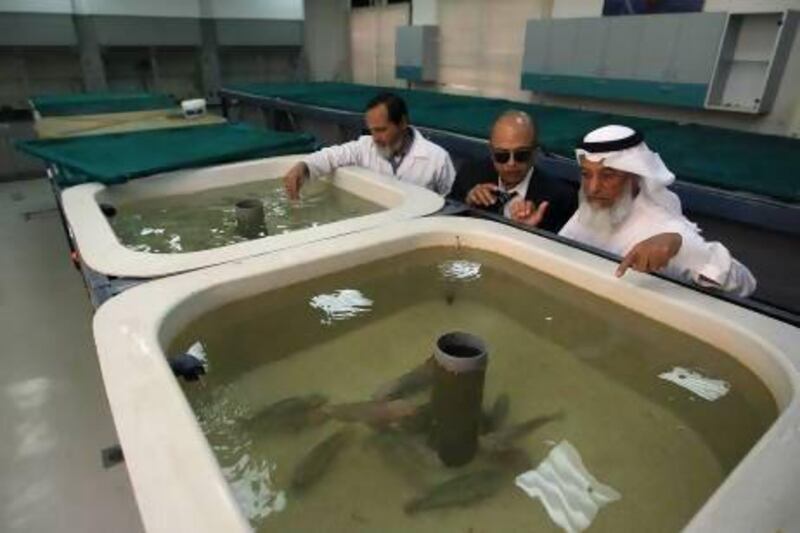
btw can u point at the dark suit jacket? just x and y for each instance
(561, 194)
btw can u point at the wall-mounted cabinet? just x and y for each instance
(699, 60)
(752, 57)
(662, 59)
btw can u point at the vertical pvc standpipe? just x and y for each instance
(250, 219)
(459, 371)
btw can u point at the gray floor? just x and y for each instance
(54, 415)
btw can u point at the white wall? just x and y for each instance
(326, 40)
(139, 8)
(255, 9)
(481, 46)
(239, 9)
(425, 12)
(594, 8)
(35, 6)
(750, 5)
(577, 8)
(372, 39)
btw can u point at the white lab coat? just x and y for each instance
(698, 261)
(426, 164)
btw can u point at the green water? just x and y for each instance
(207, 219)
(554, 349)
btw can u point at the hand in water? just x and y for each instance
(294, 179)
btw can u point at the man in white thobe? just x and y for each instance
(626, 209)
(392, 148)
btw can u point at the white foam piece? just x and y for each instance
(459, 269)
(199, 351)
(341, 304)
(175, 243)
(151, 231)
(253, 488)
(570, 494)
(707, 388)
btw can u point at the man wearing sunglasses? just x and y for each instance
(509, 185)
(393, 148)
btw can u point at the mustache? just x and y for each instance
(605, 220)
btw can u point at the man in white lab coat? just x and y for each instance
(626, 209)
(393, 148)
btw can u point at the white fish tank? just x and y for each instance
(189, 219)
(607, 402)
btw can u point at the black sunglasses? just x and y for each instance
(521, 155)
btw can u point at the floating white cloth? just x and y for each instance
(707, 388)
(570, 494)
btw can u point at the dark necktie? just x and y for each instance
(503, 197)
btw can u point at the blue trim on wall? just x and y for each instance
(408, 73)
(678, 94)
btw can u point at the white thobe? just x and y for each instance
(706, 263)
(425, 164)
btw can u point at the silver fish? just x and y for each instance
(459, 491)
(291, 414)
(376, 413)
(503, 439)
(513, 460)
(318, 460)
(420, 421)
(411, 458)
(496, 417)
(415, 380)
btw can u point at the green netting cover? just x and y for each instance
(727, 159)
(761, 164)
(122, 156)
(295, 91)
(53, 105)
